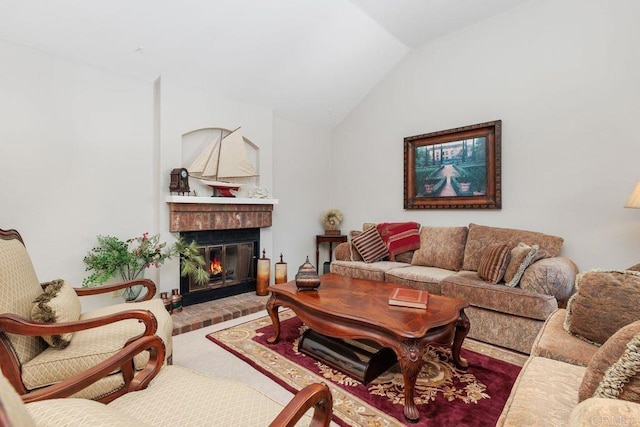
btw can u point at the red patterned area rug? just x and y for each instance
(444, 395)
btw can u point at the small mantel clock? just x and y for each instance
(179, 181)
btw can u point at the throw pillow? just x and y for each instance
(494, 263)
(441, 247)
(604, 302)
(614, 371)
(399, 237)
(481, 236)
(58, 303)
(370, 245)
(354, 255)
(521, 257)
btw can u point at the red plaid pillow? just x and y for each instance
(399, 237)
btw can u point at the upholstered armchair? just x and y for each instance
(162, 397)
(45, 337)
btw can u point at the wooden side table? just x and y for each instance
(330, 239)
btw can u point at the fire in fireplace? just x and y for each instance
(230, 257)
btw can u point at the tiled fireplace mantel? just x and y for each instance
(191, 213)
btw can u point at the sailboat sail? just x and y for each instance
(223, 158)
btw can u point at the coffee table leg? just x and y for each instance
(462, 329)
(272, 309)
(410, 358)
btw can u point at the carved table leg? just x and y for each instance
(462, 329)
(272, 309)
(410, 358)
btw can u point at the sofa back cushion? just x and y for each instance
(481, 236)
(614, 371)
(604, 302)
(441, 247)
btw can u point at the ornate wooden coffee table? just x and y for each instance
(343, 307)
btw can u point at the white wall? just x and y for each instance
(302, 183)
(75, 155)
(184, 109)
(563, 77)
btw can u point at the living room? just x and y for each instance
(87, 149)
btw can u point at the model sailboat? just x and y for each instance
(224, 158)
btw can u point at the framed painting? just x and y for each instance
(454, 169)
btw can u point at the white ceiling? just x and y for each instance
(311, 61)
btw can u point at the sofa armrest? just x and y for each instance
(552, 276)
(601, 411)
(342, 252)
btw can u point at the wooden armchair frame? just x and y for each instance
(316, 396)
(10, 323)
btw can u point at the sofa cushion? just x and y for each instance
(521, 257)
(363, 270)
(418, 277)
(468, 286)
(481, 236)
(553, 342)
(604, 302)
(544, 394)
(494, 263)
(614, 371)
(441, 247)
(58, 303)
(370, 245)
(399, 237)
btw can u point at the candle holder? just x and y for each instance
(263, 276)
(280, 271)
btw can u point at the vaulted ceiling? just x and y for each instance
(311, 61)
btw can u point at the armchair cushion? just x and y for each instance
(58, 303)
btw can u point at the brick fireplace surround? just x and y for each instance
(188, 213)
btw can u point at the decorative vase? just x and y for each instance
(332, 232)
(132, 292)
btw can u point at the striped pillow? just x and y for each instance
(494, 262)
(370, 245)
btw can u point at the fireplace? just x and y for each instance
(227, 231)
(230, 258)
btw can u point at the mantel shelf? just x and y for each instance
(221, 200)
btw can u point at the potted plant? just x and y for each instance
(129, 259)
(331, 221)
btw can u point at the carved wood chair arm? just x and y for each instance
(19, 325)
(314, 395)
(149, 284)
(122, 360)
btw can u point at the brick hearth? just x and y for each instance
(209, 313)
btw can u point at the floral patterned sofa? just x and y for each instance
(513, 279)
(584, 367)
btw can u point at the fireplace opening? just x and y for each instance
(230, 258)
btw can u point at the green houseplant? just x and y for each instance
(128, 259)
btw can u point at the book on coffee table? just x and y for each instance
(407, 297)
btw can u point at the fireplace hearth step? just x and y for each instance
(208, 313)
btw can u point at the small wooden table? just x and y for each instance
(330, 239)
(344, 307)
